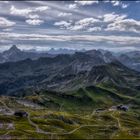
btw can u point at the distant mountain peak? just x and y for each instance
(14, 48)
(12, 52)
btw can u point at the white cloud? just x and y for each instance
(27, 11)
(121, 23)
(125, 6)
(94, 29)
(6, 23)
(72, 6)
(62, 24)
(84, 23)
(34, 21)
(119, 3)
(113, 17)
(106, 1)
(33, 16)
(87, 21)
(130, 25)
(115, 2)
(76, 27)
(83, 2)
(64, 14)
(21, 12)
(41, 8)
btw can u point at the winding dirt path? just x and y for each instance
(118, 124)
(6, 106)
(118, 121)
(82, 126)
(38, 130)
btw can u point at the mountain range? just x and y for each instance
(66, 72)
(14, 54)
(63, 51)
(131, 59)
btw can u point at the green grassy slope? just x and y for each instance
(72, 115)
(57, 124)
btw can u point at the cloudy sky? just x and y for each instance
(113, 25)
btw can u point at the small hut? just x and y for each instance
(21, 113)
(122, 107)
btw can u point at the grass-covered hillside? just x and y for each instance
(88, 113)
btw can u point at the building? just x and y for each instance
(21, 113)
